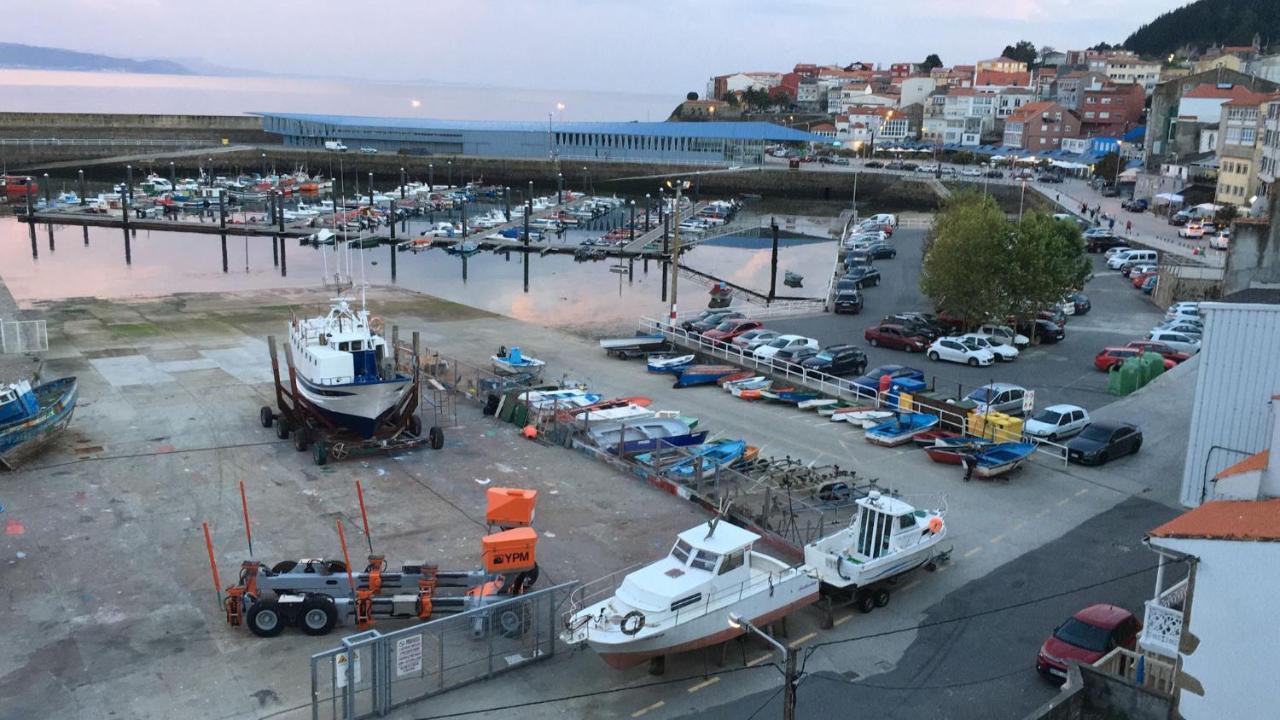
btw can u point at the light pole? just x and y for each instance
(648, 202)
(1022, 196)
(788, 662)
(431, 177)
(675, 247)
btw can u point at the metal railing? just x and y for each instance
(1162, 620)
(111, 142)
(373, 673)
(1141, 670)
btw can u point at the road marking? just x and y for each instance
(654, 706)
(802, 640)
(1082, 491)
(973, 551)
(843, 620)
(908, 586)
(997, 538)
(1020, 523)
(1043, 512)
(704, 684)
(1064, 501)
(759, 660)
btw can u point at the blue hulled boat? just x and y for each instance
(1001, 458)
(31, 417)
(646, 435)
(720, 453)
(702, 374)
(900, 429)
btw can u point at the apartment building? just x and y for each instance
(1041, 126)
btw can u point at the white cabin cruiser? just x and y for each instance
(682, 602)
(344, 368)
(885, 538)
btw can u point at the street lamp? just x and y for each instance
(788, 660)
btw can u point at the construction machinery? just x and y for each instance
(316, 594)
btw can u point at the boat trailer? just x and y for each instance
(400, 430)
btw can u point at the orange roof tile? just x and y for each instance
(1207, 90)
(1257, 461)
(1252, 520)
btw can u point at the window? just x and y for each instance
(1104, 115)
(704, 560)
(906, 521)
(1106, 101)
(732, 561)
(681, 551)
(1089, 115)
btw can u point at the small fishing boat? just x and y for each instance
(721, 296)
(753, 385)
(1000, 458)
(510, 362)
(862, 417)
(818, 404)
(669, 363)
(900, 429)
(645, 435)
(797, 395)
(567, 399)
(31, 417)
(464, 248)
(929, 437)
(886, 538)
(719, 453)
(692, 375)
(735, 377)
(614, 411)
(792, 279)
(952, 450)
(687, 600)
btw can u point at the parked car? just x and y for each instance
(882, 250)
(998, 397)
(870, 380)
(792, 356)
(1149, 285)
(1045, 331)
(1129, 267)
(915, 325)
(1050, 178)
(1186, 326)
(1056, 422)
(954, 349)
(971, 172)
(1005, 353)
(753, 339)
(1135, 205)
(1110, 191)
(1180, 218)
(838, 360)
(705, 316)
(1002, 334)
(873, 164)
(730, 329)
(1103, 242)
(1160, 349)
(1139, 277)
(1099, 443)
(848, 301)
(1221, 240)
(857, 258)
(1086, 637)
(994, 174)
(1076, 303)
(1183, 309)
(863, 276)
(1176, 340)
(894, 337)
(1191, 230)
(768, 350)
(702, 326)
(933, 322)
(1109, 357)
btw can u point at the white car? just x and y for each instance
(1002, 335)
(1181, 342)
(1186, 326)
(1056, 422)
(1004, 353)
(1191, 230)
(1220, 241)
(954, 349)
(1183, 310)
(768, 350)
(971, 172)
(752, 339)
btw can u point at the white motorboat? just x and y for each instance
(861, 417)
(510, 362)
(683, 601)
(443, 229)
(343, 368)
(886, 537)
(568, 399)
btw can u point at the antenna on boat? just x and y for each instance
(721, 512)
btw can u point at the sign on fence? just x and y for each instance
(409, 655)
(340, 669)
(1028, 401)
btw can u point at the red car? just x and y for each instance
(894, 337)
(1112, 356)
(1085, 637)
(726, 331)
(1138, 278)
(1161, 349)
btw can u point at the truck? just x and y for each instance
(335, 146)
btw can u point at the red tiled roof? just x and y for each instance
(995, 77)
(1257, 461)
(1210, 91)
(1252, 99)
(1034, 109)
(1252, 520)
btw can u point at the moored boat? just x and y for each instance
(669, 363)
(702, 374)
(952, 450)
(645, 435)
(862, 417)
(32, 417)
(510, 362)
(900, 429)
(886, 537)
(999, 458)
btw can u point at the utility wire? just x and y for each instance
(944, 686)
(768, 700)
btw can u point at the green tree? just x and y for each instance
(966, 240)
(1046, 260)
(1025, 51)
(1108, 167)
(1226, 215)
(931, 62)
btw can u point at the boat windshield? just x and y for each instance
(1083, 635)
(1048, 417)
(681, 551)
(705, 560)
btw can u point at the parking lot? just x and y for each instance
(1059, 373)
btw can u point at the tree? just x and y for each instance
(1104, 47)
(691, 97)
(1108, 167)
(1046, 260)
(1025, 51)
(931, 62)
(756, 98)
(1226, 215)
(1045, 52)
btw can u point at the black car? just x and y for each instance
(1103, 243)
(838, 360)
(994, 174)
(1135, 205)
(792, 356)
(1050, 178)
(862, 276)
(874, 164)
(708, 323)
(929, 319)
(915, 325)
(1083, 306)
(856, 258)
(1046, 331)
(701, 317)
(1100, 442)
(848, 301)
(910, 166)
(882, 250)
(871, 380)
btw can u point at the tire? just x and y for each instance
(282, 429)
(872, 342)
(973, 362)
(415, 426)
(1103, 458)
(934, 356)
(317, 616)
(283, 566)
(301, 439)
(264, 619)
(265, 416)
(319, 454)
(880, 597)
(864, 601)
(1136, 447)
(436, 437)
(510, 622)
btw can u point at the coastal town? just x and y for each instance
(865, 387)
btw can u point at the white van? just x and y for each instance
(335, 146)
(1118, 260)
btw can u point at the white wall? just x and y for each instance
(916, 90)
(1202, 109)
(1233, 615)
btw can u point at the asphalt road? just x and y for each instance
(1060, 373)
(983, 668)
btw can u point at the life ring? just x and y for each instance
(935, 525)
(629, 627)
(375, 325)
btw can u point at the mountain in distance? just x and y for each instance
(1206, 23)
(31, 57)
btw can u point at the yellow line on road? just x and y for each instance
(843, 620)
(654, 706)
(704, 684)
(758, 660)
(1064, 501)
(997, 538)
(801, 640)
(973, 551)
(1081, 491)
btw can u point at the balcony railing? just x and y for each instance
(1143, 671)
(1162, 624)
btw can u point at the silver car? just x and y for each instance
(998, 397)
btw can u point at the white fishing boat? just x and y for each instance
(343, 367)
(510, 362)
(886, 537)
(861, 417)
(683, 601)
(620, 413)
(568, 399)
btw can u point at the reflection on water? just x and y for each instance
(68, 261)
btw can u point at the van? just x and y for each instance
(335, 146)
(1133, 257)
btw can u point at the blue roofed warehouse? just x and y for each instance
(718, 143)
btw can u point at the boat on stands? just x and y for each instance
(900, 429)
(999, 459)
(669, 363)
(645, 435)
(510, 362)
(720, 453)
(683, 601)
(952, 450)
(31, 417)
(885, 538)
(344, 369)
(692, 375)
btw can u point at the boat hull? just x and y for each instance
(358, 407)
(21, 439)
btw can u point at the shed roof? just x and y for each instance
(1248, 520)
(1256, 461)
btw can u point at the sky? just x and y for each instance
(667, 46)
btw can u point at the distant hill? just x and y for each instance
(1205, 23)
(30, 57)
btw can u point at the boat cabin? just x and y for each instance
(885, 525)
(340, 348)
(705, 559)
(17, 402)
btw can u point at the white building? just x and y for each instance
(857, 94)
(1012, 98)
(916, 90)
(1128, 70)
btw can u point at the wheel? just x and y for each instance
(264, 619)
(973, 362)
(864, 601)
(317, 616)
(283, 566)
(1103, 458)
(880, 597)
(415, 426)
(282, 429)
(1136, 447)
(301, 439)
(510, 621)
(933, 356)
(335, 566)
(872, 342)
(436, 436)
(319, 454)
(265, 416)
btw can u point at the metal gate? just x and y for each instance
(23, 336)
(372, 673)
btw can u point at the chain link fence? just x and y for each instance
(23, 336)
